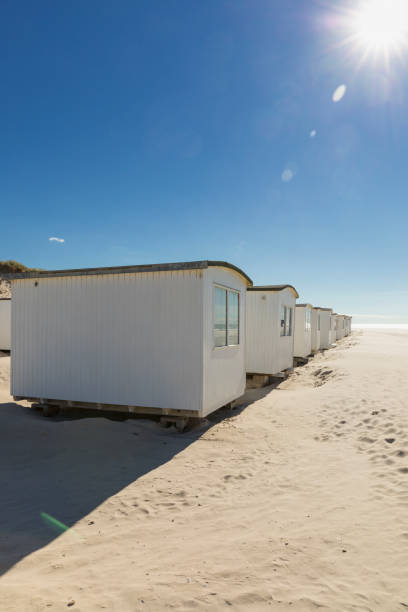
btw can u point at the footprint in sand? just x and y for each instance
(367, 440)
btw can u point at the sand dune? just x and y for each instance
(5, 291)
(297, 501)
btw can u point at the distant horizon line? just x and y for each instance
(379, 326)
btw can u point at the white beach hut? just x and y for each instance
(333, 328)
(5, 324)
(339, 327)
(269, 329)
(347, 325)
(165, 339)
(303, 332)
(325, 328)
(315, 329)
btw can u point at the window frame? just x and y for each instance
(290, 309)
(287, 327)
(308, 320)
(228, 291)
(282, 321)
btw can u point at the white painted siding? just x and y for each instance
(5, 325)
(224, 367)
(267, 352)
(303, 337)
(315, 331)
(127, 339)
(333, 331)
(325, 335)
(339, 327)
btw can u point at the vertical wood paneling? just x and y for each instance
(303, 338)
(132, 339)
(315, 332)
(325, 329)
(340, 330)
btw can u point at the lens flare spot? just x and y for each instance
(339, 93)
(287, 175)
(53, 522)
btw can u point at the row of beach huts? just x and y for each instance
(179, 340)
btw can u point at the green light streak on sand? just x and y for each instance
(53, 521)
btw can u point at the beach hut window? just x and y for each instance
(220, 316)
(318, 323)
(307, 320)
(233, 317)
(226, 317)
(288, 321)
(282, 323)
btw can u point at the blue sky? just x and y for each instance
(162, 130)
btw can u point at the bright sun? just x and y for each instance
(380, 26)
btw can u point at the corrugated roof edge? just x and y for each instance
(304, 305)
(273, 288)
(163, 267)
(320, 308)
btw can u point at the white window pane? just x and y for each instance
(220, 317)
(233, 317)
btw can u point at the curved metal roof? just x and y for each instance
(163, 267)
(274, 288)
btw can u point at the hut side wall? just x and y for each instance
(325, 335)
(303, 337)
(340, 327)
(224, 376)
(5, 325)
(333, 331)
(315, 331)
(267, 352)
(126, 339)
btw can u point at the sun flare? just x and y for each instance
(380, 26)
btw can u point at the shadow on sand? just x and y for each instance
(67, 466)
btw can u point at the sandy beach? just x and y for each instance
(296, 501)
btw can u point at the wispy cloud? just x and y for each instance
(54, 239)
